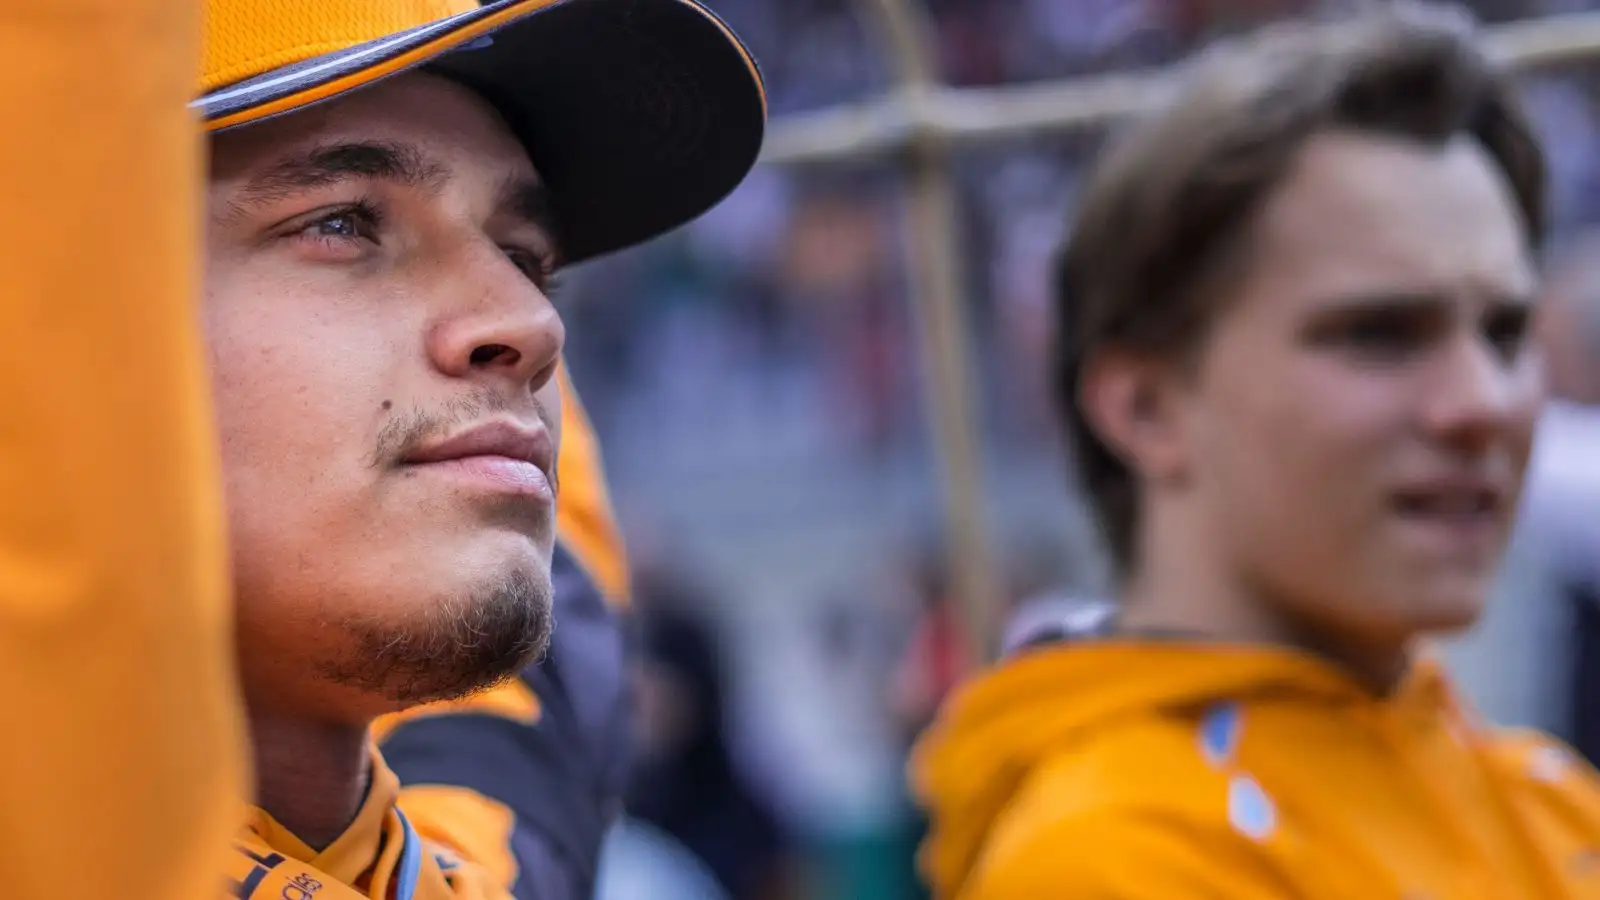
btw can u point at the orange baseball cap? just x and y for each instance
(639, 114)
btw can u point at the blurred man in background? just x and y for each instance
(1296, 360)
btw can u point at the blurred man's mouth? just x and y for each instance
(1456, 513)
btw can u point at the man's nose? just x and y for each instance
(1478, 393)
(497, 325)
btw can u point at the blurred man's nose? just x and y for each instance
(1478, 392)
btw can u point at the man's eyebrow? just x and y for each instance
(529, 200)
(335, 163)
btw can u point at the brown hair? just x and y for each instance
(1170, 204)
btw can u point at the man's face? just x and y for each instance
(1358, 429)
(383, 354)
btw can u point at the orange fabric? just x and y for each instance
(398, 63)
(115, 624)
(474, 826)
(514, 700)
(246, 38)
(585, 523)
(361, 862)
(1144, 770)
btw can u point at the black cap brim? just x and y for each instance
(639, 114)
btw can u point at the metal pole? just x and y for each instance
(883, 126)
(938, 281)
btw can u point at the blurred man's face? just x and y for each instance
(1358, 428)
(383, 355)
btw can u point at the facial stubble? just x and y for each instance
(453, 650)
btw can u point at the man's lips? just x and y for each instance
(1452, 496)
(509, 439)
(1456, 513)
(503, 456)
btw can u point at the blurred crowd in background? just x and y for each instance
(756, 383)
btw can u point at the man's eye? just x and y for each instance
(1386, 334)
(538, 268)
(352, 224)
(1384, 337)
(1507, 330)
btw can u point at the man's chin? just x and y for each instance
(455, 650)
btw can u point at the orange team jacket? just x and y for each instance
(1146, 770)
(115, 628)
(510, 793)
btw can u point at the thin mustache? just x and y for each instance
(405, 432)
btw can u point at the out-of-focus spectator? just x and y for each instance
(840, 270)
(1541, 648)
(685, 782)
(938, 656)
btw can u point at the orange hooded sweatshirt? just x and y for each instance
(1133, 770)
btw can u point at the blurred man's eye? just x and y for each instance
(1387, 334)
(1384, 334)
(1507, 329)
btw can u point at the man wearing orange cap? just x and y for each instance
(391, 187)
